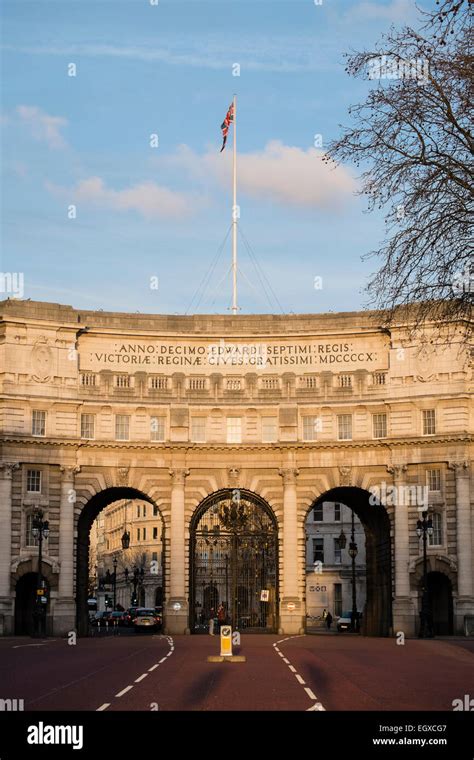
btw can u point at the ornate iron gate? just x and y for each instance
(234, 558)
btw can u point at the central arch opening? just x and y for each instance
(234, 563)
(125, 574)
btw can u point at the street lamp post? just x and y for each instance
(115, 582)
(424, 528)
(40, 530)
(353, 555)
(138, 576)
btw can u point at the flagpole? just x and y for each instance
(234, 214)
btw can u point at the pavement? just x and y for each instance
(293, 673)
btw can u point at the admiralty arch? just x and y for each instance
(234, 428)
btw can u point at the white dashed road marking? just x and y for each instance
(140, 678)
(317, 705)
(124, 691)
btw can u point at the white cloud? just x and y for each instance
(280, 53)
(282, 173)
(42, 126)
(396, 10)
(147, 198)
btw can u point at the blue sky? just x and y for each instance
(146, 212)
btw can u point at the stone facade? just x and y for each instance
(170, 409)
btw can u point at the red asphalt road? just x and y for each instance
(281, 673)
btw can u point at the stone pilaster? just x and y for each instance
(177, 605)
(465, 600)
(403, 610)
(6, 600)
(291, 608)
(65, 611)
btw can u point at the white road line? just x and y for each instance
(20, 646)
(124, 691)
(103, 707)
(162, 660)
(140, 678)
(317, 705)
(169, 654)
(153, 667)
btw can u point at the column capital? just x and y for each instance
(68, 472)
(7, 469)
(289, 475)
(397, 470)
(461, 469)
(178, 475)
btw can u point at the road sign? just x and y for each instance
(226, 641)
(264, 595)
(40, 591)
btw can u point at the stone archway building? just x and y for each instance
(175, 408)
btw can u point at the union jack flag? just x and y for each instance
(229, 118)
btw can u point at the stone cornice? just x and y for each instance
(385, 443)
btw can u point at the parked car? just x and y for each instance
(344, 622)
(129, 615)
(146, 619)
(100, 617)
(117, 617)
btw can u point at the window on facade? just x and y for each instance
(144, 510)
(344, 427)
(345, 381)
(379, 378)
(122, 427)
(38, 423)
(87, 426)
(155, 511)
(138, 534)
(337, 552)
(155, 533)
(318, 513)
(379, 422)
(429, 422)
(144, 534)
(311, 426)
(269, 429)
(338, 599)
(337, 512)
(318, 549)
(33, 481)
(154, 556)
(30, 540)
(198, 429)
(433, 478)
(157, 428)
(234, 430)
(436, 538)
